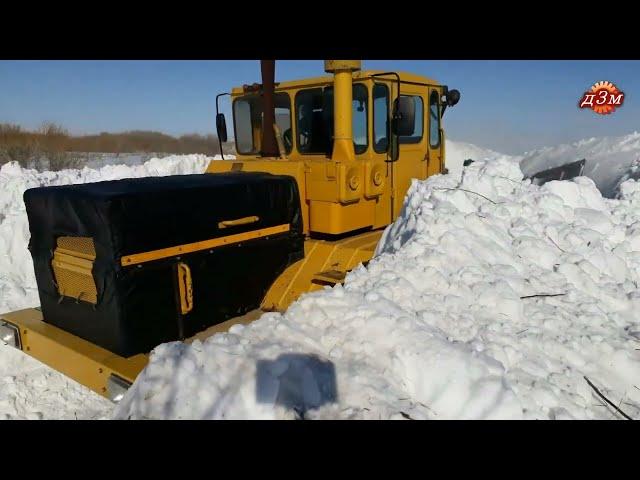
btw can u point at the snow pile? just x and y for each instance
(489, 298)
(29, 389)
(457, 152)
(609, 159)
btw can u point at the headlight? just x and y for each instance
(10, 334)
(116, 387)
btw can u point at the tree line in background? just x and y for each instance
(51, 146)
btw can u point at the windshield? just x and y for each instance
(314, 120)
(248, 116)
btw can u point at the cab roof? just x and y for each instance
(327, 79)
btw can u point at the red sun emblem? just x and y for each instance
(603, 98)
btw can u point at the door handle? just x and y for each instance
(238, 221)
(185, 288)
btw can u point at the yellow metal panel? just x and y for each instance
(330, 276)
(350, 182)
(320, 256)
(322, 181)
(76, 358)
(334, 218)
(374, 179)
(203, 245)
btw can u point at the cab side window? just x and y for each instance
(434, 119)
(359, 117)
(314, 136)
(416, 135)
(380, 118)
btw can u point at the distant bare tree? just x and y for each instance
(52, 147)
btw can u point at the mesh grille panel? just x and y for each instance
(79, 245)
(72, 267)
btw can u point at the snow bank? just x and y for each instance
(609, 159)
(489, 298)
(457, 152)
(29, 389)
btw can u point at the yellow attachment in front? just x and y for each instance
(324, 263)
(73, 268)
(73, 356)
(185, 287)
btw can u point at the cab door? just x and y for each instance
(412, 159)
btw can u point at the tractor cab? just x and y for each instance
(353, 141)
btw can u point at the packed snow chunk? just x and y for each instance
(458, 152)
(456, 382)
(577, 193)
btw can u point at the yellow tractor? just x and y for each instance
(322, 167)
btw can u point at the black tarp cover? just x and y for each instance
(137, 305)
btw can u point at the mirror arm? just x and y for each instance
(217, 112)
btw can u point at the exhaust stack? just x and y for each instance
(269, 146)
(342, 105)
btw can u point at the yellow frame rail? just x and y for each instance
(143, 257)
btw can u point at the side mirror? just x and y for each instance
(221, 127)
(404, 116)
(453, 97)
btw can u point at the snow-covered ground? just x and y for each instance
(444, 323)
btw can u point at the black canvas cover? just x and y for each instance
(137, 306)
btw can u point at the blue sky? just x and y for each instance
(509, 106)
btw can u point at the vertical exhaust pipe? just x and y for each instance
(342, 105)
(269, 145)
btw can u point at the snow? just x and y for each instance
(29, 389)
(489, 298)
(608, 159)
(457, 152)
(447, 321)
